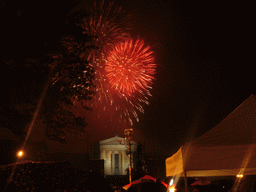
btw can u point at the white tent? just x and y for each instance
(227, 149)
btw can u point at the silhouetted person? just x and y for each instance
(132, 188)
(149, 186)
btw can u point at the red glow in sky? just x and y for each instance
(130, 67)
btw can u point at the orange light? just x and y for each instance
(171, 186)
(20, 154)
(240, 175)
(172, 189)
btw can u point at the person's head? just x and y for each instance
(158, 180)
(149, 186)
(132, 188)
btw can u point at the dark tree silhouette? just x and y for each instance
(43, 50)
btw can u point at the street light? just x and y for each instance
(128, 137)
(20, 153)
(171, 187)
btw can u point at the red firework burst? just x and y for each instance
(130, 67)
(109, 24)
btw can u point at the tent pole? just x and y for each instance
(186, 181)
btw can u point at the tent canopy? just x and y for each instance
(227, 149)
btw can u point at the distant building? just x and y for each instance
(108, 157)
(114, 151)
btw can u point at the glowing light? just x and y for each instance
(123, 68)
(130, 67)
(172, 189)
(239, 175)
(110, 25)
(20, 153)
(116, 55)
(107, 24)
(171, 186)
(171, 182)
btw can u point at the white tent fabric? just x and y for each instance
(227, 149)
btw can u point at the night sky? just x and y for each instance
(203, 51)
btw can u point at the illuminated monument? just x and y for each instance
(114, 152)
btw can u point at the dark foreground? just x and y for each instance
(52, 176)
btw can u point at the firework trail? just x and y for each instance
(108, 25)
(119, 90)
(124, 69)
(130, 67)
(129, 70)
